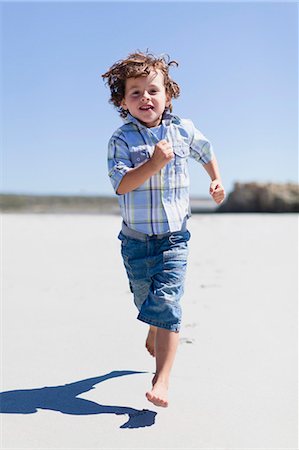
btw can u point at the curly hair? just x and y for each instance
(138, 64)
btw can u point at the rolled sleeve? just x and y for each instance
(200, 148)
(119, 162)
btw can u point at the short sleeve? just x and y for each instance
(119, 162)
(200, 148)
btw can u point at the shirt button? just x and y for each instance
(138, 159)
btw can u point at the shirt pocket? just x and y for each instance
(139, 155)
(181, 152)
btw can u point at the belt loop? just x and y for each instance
(172, 239)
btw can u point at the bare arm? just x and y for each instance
(213, 169)
(216, 188)
(135, 177)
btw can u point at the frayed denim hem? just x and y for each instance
(156, 323)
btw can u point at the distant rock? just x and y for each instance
(78, 204)
(262, 197)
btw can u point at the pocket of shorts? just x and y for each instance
(179, 252)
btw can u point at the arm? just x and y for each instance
(135, 177)
(216, 188)
(213, 169)
(201, 150)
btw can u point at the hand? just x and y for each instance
(217, 191)
(162, 154)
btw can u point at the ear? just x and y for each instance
(123, 104)
(168, 100)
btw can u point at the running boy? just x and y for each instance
(147, 160)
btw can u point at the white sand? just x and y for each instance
(68, 316)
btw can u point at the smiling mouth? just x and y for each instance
(146, 108)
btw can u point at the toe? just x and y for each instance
(157, 401)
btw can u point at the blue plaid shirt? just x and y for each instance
(161, 203)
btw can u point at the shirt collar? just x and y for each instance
(167, 118)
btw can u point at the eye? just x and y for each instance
(135, 93)
(153, 91)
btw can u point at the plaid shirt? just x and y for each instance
(161, 203)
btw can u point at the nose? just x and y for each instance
(145, 96)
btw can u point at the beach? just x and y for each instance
(74, 365)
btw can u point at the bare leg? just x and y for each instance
(166, 347)
(151, 340)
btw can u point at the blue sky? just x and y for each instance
(237, 72)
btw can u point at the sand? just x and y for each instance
(68, 316)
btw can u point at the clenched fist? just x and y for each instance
(217, 191)
(162, 154)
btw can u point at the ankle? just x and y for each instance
(161, 379)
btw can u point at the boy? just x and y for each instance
(147, 160)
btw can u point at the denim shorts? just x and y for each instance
(156, 268)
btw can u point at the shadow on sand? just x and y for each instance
(64, 399)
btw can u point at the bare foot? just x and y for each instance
(158, 395)
(151, 339)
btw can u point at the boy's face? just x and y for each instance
(146, 99)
